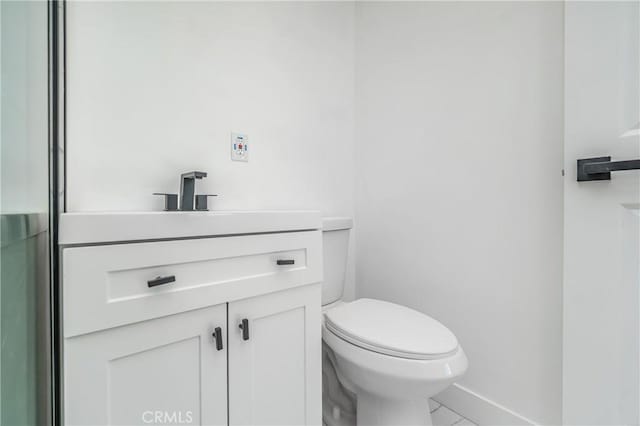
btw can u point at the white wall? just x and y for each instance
(156, 88)
(459, 128)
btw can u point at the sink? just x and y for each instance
(105, 227)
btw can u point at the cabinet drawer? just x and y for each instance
(112, 285)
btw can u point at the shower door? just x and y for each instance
(24, 220)
(602, 217)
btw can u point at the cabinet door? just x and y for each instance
(163, 371)
(274, 361)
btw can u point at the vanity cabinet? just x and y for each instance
(207, 331)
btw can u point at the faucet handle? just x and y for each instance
(170, 201)
(201, 201)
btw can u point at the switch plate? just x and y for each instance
(239, 147)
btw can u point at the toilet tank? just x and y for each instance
(335, 247)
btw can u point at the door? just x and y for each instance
(168, 370)
(274, 359)
(601, 256)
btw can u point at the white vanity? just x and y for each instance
(203, 318)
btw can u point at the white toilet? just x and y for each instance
(391, 357)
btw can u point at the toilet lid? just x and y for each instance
(391, 329)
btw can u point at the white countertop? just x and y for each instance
(110, 227)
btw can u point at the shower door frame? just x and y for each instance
(56, 118)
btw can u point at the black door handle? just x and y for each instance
(217, 336)
(285, 261)
(161, 280)
(600, 168)
(244, 326)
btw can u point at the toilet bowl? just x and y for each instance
(391, 357)
(391, 378)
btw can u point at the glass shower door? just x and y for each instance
(24, 217)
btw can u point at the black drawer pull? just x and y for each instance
(286, 262)
(161, 280)
(244, 326)
(217, 336)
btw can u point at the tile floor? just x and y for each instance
(442, 416)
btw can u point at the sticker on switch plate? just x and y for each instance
(239, 147)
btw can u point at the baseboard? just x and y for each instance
(479, 409)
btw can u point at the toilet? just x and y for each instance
(388, 359)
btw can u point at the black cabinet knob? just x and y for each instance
(244, 326)
(217, 336)
(285, 261)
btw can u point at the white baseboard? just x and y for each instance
(479, 409)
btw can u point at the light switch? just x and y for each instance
(239, 147)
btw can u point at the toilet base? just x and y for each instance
(374, 410)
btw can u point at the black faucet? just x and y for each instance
(188, 189)
(188, 196)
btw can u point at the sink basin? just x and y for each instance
(105, 227)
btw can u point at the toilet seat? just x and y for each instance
(377, 373)
(391, 329)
